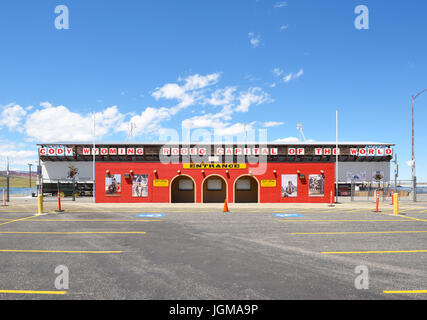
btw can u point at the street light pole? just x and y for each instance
(29, 165)
(336, 159)
(7, 182)
(413, 146)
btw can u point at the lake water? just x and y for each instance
(19, 191)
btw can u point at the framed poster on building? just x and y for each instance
(113, 185)
(140, 186)
(289, 186)
(316, 185)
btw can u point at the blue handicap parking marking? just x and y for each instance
(287, 215)
(150, 215)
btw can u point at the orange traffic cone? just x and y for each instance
(225, 206)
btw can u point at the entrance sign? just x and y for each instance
(214, 166)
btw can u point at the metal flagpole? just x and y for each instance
(336, 158)
(93, 153)
(7, 182)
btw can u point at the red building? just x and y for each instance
(274, 173)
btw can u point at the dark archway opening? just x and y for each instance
(214, 190)
(182, 190)
(246, 190)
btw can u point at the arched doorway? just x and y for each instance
(246, 190)
(214, 189)
(182, 190)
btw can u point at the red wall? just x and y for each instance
(169, 172)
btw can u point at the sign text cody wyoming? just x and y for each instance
(219, 151)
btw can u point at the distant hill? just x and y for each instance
(18, 179)
(18, 174)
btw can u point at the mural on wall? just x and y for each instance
(289, 186)
(72, 172)
(113, 185)
(140, 185)
(316, 185)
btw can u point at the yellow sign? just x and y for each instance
(161, 183)
(214, 166)
(268, 183)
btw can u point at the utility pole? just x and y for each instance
(7, 182)
(396, 172)
(29, 165)
(336, 159)
(94, 156)
(39, 176)
(414, 178)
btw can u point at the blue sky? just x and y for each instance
(219, 65)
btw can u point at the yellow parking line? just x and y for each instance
(402, 216)
(58, 251)
(32, 292)
(16, 220)
(369, 252)
(356, 232)
(404, 291)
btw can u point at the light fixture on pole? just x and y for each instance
(299, 128)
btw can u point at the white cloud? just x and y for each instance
(204, 121)
(222, 97)
(48, 123)
(288, 140)
(11, 116)
(197, 81)
(148, 122)
(255, 40)
(270, 124)
(283, 27)
(54, 124)
(252, 96)
(280, 4)
(292, 76)
(188, 93)
(46, 105)
(233, 130)
(291, 140)
(231, 103)
(299, 74)
(287, 78)
(19, 155)
(277, 71)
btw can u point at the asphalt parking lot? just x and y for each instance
(199, 252)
